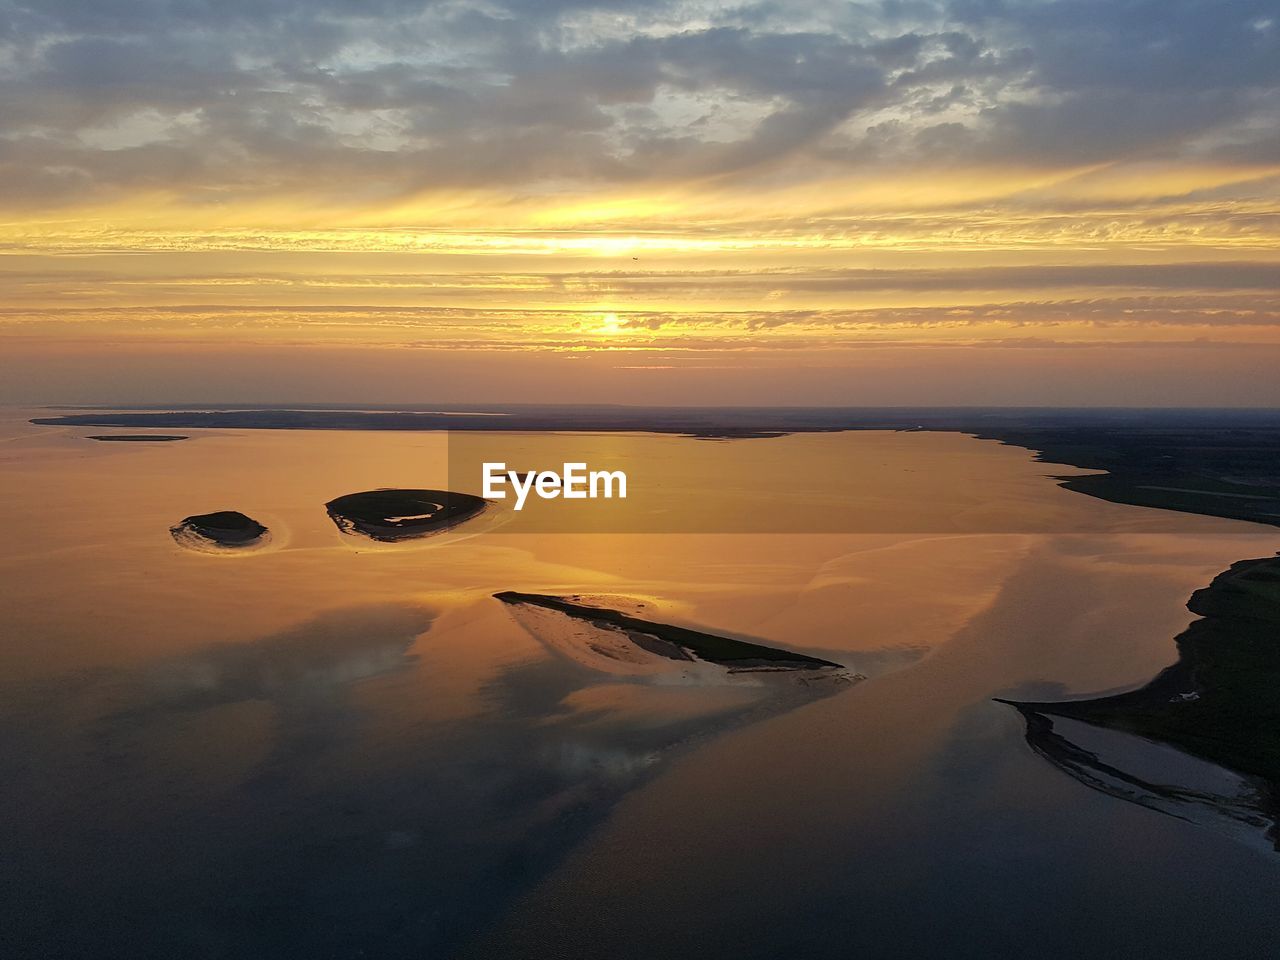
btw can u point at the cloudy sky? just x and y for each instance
(974, 201)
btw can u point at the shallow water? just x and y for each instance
(335, 747)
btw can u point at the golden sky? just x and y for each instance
(935, 201)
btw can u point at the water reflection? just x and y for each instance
(907, 818)
(261, 805)
(314, 664)
(337, 748)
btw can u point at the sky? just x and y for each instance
(1019, 202)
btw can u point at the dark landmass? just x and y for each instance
(391, 515)
(709, 422)
(1221, 463)
(138, 437)
(675, 642)
(1220, 702)
(224, 528)
(1218, 466)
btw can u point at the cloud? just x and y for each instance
(242, 98)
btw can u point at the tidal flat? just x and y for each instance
(1219, 703)
(336, 747)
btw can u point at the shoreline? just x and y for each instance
(1216, 463)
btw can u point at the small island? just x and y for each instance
(670, 641)
(223, 529)
(391, 515)
(137, 437)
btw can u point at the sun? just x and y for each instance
(609, 324)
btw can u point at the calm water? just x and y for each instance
(337, 748)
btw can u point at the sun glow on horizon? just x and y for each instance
(721, 183)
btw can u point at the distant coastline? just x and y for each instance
(1212, 462)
